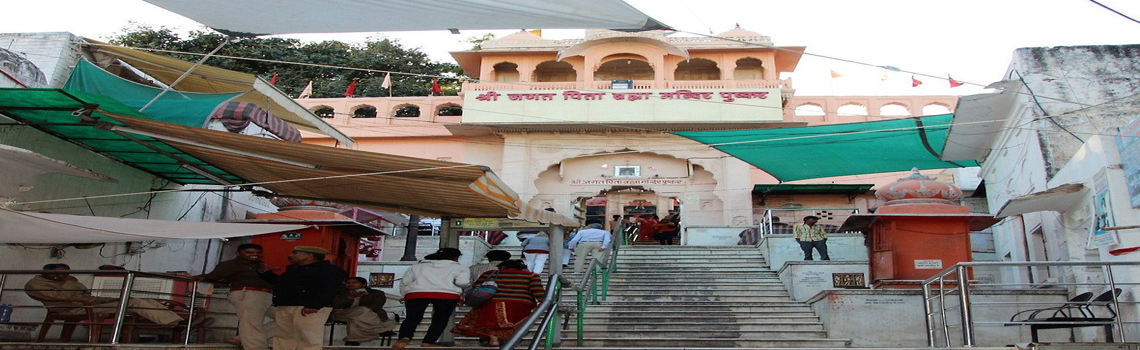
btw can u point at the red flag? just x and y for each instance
(435, 85)
(914, 82)
(954, 83)
(273, 80)
(351, 89)
(1122, 251)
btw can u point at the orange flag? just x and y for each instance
(835, 75)
(435, 86)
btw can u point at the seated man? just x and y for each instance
(63, 294)
(362, 309)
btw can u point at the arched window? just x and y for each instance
(407, 111)
(506, 72)
(551, 71)
(324, 112)
(449, 110)
(697, 69)
(810, 110)
(365, 111)
(851, 110)
(748, 69)
(935, 109)
(624, 67)
(894, 110)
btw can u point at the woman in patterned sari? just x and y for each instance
(519, 292)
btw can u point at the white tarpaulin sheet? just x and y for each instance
(41, 228)
(1054, 199)
(264, 17)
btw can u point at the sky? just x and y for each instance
(970, 40)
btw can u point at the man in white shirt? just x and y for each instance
(592, 241)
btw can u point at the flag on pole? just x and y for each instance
(387, 81)
(435, 85)
(914, 82)
(835, 75)
(886, 75)
(954, 83)
(351, 89)
(307, 91)
(273, 80)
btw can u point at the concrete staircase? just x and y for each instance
(698, 297)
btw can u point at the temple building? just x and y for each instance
(584, 126)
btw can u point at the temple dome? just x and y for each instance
(918, 188)
(520, 36)
(739, 33)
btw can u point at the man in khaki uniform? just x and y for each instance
(251, 296)
(62, 293)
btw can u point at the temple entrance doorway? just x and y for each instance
(639, 212)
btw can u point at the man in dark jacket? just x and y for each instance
(303, 296)
(362, 309)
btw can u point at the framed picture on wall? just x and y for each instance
(627, 171)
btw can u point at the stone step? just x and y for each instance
(726, 288)
(696, 317)
(695, 329)
(695, 298)
(652, 341)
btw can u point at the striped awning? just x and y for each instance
(383, 181)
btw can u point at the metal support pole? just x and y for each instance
(1115, 304)
(964, 305)
(124, 299)
(942, 310)
(184, 75)
(926, 306)
(411, 238)
(190, 316)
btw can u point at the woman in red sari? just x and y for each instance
(646, 227)
(519, 292)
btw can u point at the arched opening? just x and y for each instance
(810, 110)
(506, 72)
(748, 68)
(935, 109)
(324, 111)
(894, 110)
(449, 110)
(407, 111)
(851, 110)
(553, 71)
(364, 111)
(697, 69)
(624, 67)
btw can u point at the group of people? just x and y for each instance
(300, 300)
(651, 227)
(439, 280)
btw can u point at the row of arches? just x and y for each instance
(855, 109)
(630, 67)
(400, 111)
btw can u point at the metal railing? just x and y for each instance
(775, 218)
(958, 291)
(124, 293)
(587, 291)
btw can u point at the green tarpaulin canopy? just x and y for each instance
(835, 150)
(184, 108)
(70, 115)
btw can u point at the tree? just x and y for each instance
(331, 65)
